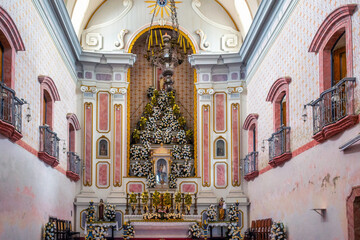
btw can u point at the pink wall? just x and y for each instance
(322, 176)
(30, 192)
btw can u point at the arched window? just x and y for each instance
(279, 142)
(250, 164)
(333, 111)
(49, 141)
(332, 40)
(74, 163)
(10, 104)
(1, 62)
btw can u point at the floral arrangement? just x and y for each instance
(133, 199)
(100, 233)
(182, 121)
(167, 199)
(145, 200)
(174, 126)
(136, 135)
(232, 212)
(186, 169)
(143, 121)
(161, 122)
(158, 216)
(176, 109)
(151, 124)
(278, 231)
(49, 231)
(195, 231)
(211, 213)
(138, 152)
(178, 200)
(158, 136)
(147, 168)
(129, 231)
(234, 232)
(186, 152)
(90, 213)
(110, 212)
(151, 216)
(156, 199)
(188, 201)
(167, 119)
(150, 180)
(138, 169)
(156, 113)
(181, 137)
(172, 181)
(176, 152)
(167, 136)
(146, 137)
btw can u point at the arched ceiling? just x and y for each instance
(234, 14)
(242, 12)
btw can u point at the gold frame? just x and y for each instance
(168, 161)
(197, 187)
(225, 113)
(97, 147)
(96, 182)
(121, 144)
(127, 185)
(128, 98)
(122, 218)
(242, 219)
(81, 219)
(97, 112)
(227, 175)
(206, 106)
(235, 183)
(226, 148)
(91, 153)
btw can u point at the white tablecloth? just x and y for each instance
(102, 224)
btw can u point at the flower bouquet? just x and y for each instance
(233, 213)
(172, 181)
(181, 137)
(211, 213)
(150, 180)
(110, 212)
(278, 231)
(49, 231)
(195, 231)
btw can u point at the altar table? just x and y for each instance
(145, 229)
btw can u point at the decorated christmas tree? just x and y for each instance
(162, 123)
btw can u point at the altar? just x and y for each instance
(145, 229)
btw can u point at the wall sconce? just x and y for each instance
(263, 146)
(320, 211)
(304, 113)
(64, 145)
(28, 110)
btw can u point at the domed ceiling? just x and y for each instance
(112, 25)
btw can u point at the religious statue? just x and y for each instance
(222, 209)
(101, 210)
(103, 148)
(161, 175)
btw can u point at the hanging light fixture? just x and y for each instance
(166, 51)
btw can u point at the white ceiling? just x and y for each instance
(242, 12)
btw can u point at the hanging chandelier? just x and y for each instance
(168, 50)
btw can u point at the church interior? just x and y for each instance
(179, 119)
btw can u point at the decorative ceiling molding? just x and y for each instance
(120, 44)
(196, 4)
(128, 4)
(203, 45)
